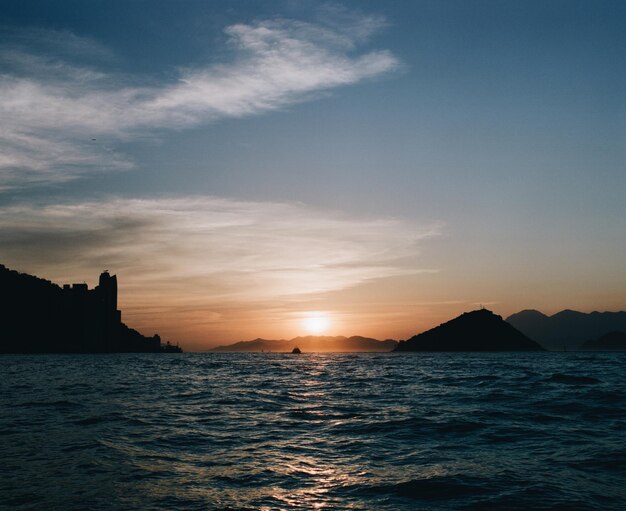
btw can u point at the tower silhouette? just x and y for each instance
(108, 317)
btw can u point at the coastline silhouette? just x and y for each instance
(613, 341)
(41, 317)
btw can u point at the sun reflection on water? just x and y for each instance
(252, 431)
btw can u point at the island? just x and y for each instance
(38, 316)
(479, 330)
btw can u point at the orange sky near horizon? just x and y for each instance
(392, 308)
(209, 272)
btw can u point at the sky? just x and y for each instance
(246, 166)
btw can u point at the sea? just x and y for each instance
(268, 431)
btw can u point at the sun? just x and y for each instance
(316, 323)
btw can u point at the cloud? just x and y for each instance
(52, 108)
(199, 259)
(61, 43)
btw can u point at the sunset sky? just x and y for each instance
(244, 167)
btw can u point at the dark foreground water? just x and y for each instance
(271, 431)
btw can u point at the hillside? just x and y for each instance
(38, 316)
(479, 330)
(568, 329)
(613, 341)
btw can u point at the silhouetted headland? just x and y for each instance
(613, 341)
(313, 343)
(568, 329)
(41, 317)
(479, 330)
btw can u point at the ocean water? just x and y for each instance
(527, 431)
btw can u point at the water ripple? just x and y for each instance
(272, 431)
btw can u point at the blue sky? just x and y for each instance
(389, 164)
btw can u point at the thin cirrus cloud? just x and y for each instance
(51, 107)
(196, 255)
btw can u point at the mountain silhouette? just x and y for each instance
(567, 329)
(613, 341)
(312, 343)
(41, 317)
(479, 330)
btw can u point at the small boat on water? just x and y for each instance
(296, 351)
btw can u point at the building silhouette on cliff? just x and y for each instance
(97, 320)
(37, 316)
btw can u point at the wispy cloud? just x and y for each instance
(195, 260)
(51, 107)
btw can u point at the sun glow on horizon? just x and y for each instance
(316, 323)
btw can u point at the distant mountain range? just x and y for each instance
(479, 330)
(38, 316)
(568, 329)
(312, 343)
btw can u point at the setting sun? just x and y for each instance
(316, 324)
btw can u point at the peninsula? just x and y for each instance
(479, 330)
(39, 316)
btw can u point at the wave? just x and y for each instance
(360, 432)
(49, 404)
(569, 379)
(443, 487)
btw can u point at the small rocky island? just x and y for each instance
(38, 316)
(479, 330)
